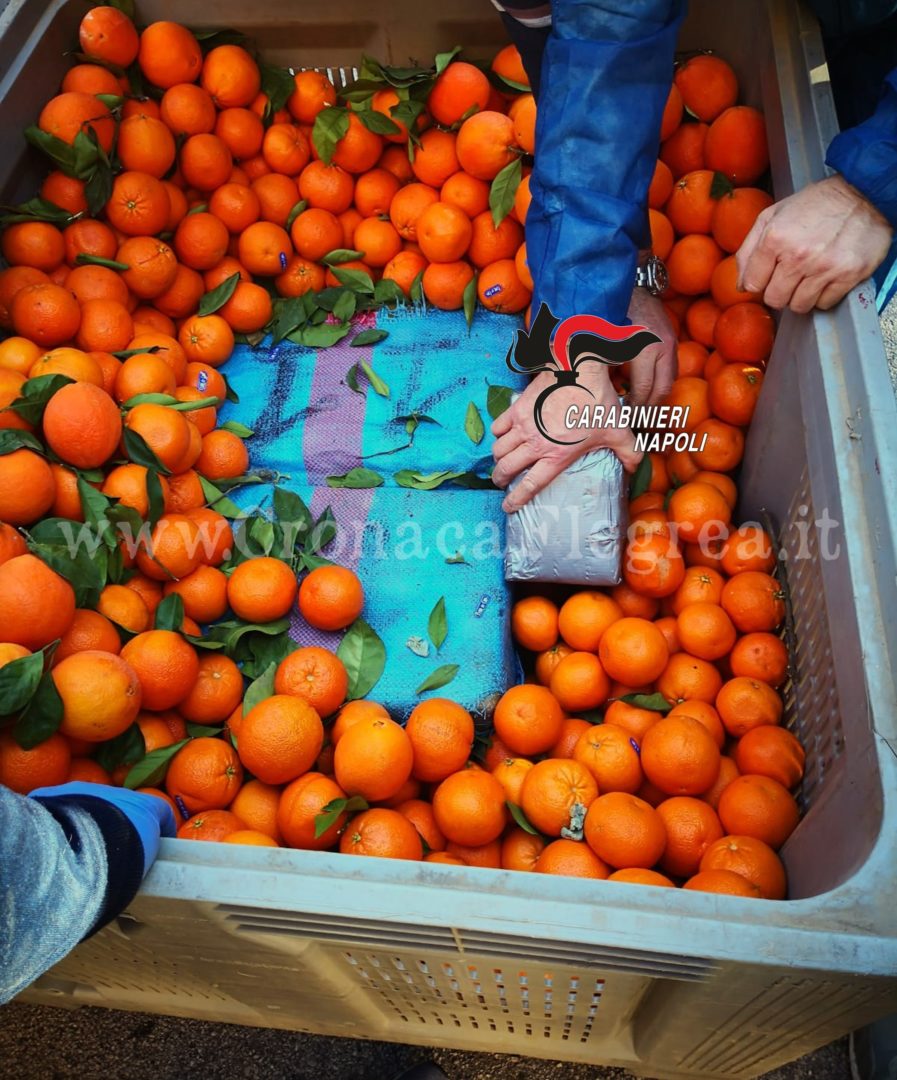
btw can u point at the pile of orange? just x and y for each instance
(693, 785)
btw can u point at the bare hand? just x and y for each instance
(654, 369)
(811, 249)
(519, 444)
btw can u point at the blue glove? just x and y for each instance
(150, 816)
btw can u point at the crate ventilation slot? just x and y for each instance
(394, 935)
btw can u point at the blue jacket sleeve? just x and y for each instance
(866, 155)
(606, 74)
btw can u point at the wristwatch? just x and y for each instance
(652, 275)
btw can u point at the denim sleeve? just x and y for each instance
(605, 78)
(866, 155)
(52, 887)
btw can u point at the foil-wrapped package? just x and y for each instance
(574, 531)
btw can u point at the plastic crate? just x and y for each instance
(667, 984)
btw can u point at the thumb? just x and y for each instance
(624, 447)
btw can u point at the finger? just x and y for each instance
(758, 269)
(624, 448)
(508, 442)
(641, 375)
(749, 245)
(664, 373)
(502, 423)
(807, 294)
(512, 464)
(781, 286)
(833, 294)
(532, 482)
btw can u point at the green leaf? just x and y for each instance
(641, 478)
(424, 481)
(371, 337)
(323, 531)
(473, 424)
(290, 508)
(320, 337)
(498, 399)
(474, 482)
(126, 6)
(98, 188)
(124, 354)
(345, 306)
(94, 503)
(720, 186)
(218, 296)
(235, 632)
(289, 315)
(200, 208)
(341, 255)
(76, 552)
(442, 676)
(59, 152)
(258, 650)
(357, 280)
(217, 501)
(155, 498)
(333, 810)
(278, 84)
(124, 749)
(331, 124)
(416, 292)
(387, 291)
(654, 702)
(84, 259)
(230, 394)
(18, 682)
(469, 300)
(236, 428)
(34, 395)
(42, 715)
(356, 478)
(352, 380)
(295, 212)
(520, 818)
(456, 559)
(378, 122)
(437, 625)
(508, 85)
(377, 384)
(261, 689)
(443, 59)
(150, 770)
(170, 613)
(12, 439)
(504, 189)
(364, 656)
(137, 450)
(36, 209)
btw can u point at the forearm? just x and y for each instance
(605, 79)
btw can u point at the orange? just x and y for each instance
(633, 651)
(280, 738)
(18, 355)
(469, 807)
(326, 187)
(690, 208)
(653, 566)
(484, 144)
(548, 660)
(705, 714)
(314, 674)
(218, 690)
(383, 101)
(725, 484)
(728, 770)
(256, 805)
(734, 393)
(143, 373)
(436, 158)
(724, 285)
(125, 608)
(216, 537)
(383, 833)
(127, 483)
(89, 630)
(466, 192)
(404, 268)
(276, 195)
(149, 591)
(745, 333)
(692, 827)
(45, 313)
(612, 757)
(624, 831)
(172, 549)
(201, 241)
(633, 603)
(579, 682)
(313, 92)
(261, 589)
(500, 289)
(421, 816)
(528, 720)
(373, 759)
(377, 240)
(27, 487)
(701, 585)
(106, 33)
(735, 214)
(45, 765)
(520, 850)
(169, 54)
(71, 113)
(285, 148)
(204, 593)
(667, 627)
(241, 131)
(374, 192)
(672, 113)
(722, 881)
(139, 204)
(511, 773)
(33, 243)
(523, 113)
(691, 263)
(488, 855)
(230, 76)
(630, 719)
(301, 276)
(351, 713)
(100, 695)
(683, 151)
(708, 86)
(736, 145)
(251, 837)
(74, 363)
(146, 145)
(760, 807)
(57, 188)
(571, 858)
(662, 235)
(744, 704)
(555, 794)
(508, 65)
(187, 109)
(687, 677)
(300, 803)
(750, 858)
(358, 150)
(773, 752)
(584, 618)
(691, 357)
(444, 284)
(748, 548)
(679, 756)
(88, 771)
(105, 326)
(700, 319)
(411, 789)
(441, 734)
(534, 623)
(223, 454)
(522, 200)
(458, 90)
(637, 876)
(166, 665)
(67, 502)
(705, 631)
(152, 266)
(214, 825)
(394, 158)
(205, 774)
(12, 280)
(265, 247)
(489, 243)
(444, 232)
(206, 162)
(158, 731)
(760, 656)
(754, 601)
(661, 186)
(407, 206)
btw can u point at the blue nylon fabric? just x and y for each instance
(605, 78)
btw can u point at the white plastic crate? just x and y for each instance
(667, 984)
